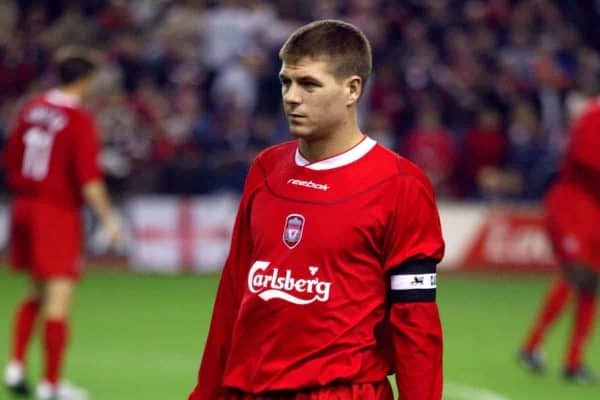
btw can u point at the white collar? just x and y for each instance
(345, 158)
(60, 98)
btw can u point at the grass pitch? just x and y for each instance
(139, 337)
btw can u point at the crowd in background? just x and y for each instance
(479, 93)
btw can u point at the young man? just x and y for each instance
(331, 277)
(52, 167)
(573, 213)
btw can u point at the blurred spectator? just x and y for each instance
(230, 143)
(18, 65)
(586, 82)
(431, 147)
(523, 174)
(379, 128)
(74, 28)
(236, 84)
(485, 146)
(184, 105)
(8, 20)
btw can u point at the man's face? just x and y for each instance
(315, 103)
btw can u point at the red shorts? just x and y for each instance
(45, 239)
(364, 391)
(574, 225)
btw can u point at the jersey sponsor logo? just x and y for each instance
(309, 184)
(292, 230)
(280, 284)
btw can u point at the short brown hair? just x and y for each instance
(73, 63)
(343, 43)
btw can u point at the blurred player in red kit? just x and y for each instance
(330, 283)
(51, 160)
(573, 214)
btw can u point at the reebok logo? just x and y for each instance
(309, 184)
(282, 285)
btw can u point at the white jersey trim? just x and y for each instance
(355, 153)
(412, 282)
(60, 98)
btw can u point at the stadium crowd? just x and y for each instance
(479, 93)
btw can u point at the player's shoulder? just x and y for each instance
(408, 181)
(274, 155)
(66, 103)
(591, 112)
(269, 159)
(45, 105)
(400, 167)
(31, 101)
(593, 106)
(586, 125)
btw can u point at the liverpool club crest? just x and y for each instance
(292, 230)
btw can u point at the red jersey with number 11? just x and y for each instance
(330, 278)
(52, 150)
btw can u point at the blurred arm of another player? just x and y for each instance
(89, 175)
(96, 196)
(414, 247)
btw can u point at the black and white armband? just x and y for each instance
(413, 281)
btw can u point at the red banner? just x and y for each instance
(511, 239)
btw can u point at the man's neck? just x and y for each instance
(330, 145)
(73, 91)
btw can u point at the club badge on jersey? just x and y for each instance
(292, 230)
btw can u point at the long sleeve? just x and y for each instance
(416, 335)
(216, 350)
(86, 150)
(414, 246)
(229, 294)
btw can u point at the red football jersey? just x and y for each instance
(581, 165)
(52, 149)
(573, 202)
(330, 278)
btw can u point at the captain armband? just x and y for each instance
(413, 281)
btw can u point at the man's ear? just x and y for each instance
(353, 89)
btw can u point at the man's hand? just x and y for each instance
(96, 197)
(112, 230)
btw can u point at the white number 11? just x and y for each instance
(38, 146)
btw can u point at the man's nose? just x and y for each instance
(292, 95)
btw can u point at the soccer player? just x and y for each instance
(330, 283)
(51, 159)
(573, 214)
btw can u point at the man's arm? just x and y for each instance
(218, 342)
(414, 246)
(416, 332)
(227, 302)
(96, 196)
(86, 150)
